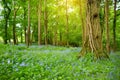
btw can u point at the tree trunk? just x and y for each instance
(61, 38)
(21, 36)
(56, 27)
(14, 28)
(92, 31)
(107, 26)
(45, 21)
(6, 33)
(67, 28)
(39, 23)
(114, 27)
(25, 25)
(14, 23)
(28, 30)
(6, 17)
(55, 36)
(82, 19)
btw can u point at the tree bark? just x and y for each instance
(39, 23)
(82, 19)
(6, 32)
(67, 28)
(56, 27)
(6, 17)
(92, 31)
(14, 24)
(14, 28)
(21, 36)
(114, 27)
(45, 21)
(107, 26)
(56, 34)
(25, 34)
(28, 30)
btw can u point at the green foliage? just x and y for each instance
(54, 63)
(56, 17)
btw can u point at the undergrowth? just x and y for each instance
(54, 63)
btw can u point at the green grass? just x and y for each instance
(54, 63)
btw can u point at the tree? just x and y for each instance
(107, 26)
(14, 21)
(24, 19)
(7, 12)
(114, 26)
(55, 39)
(82, 18)
(25, 24)
(92, 31)
(39, 22)
(67, 28)
(45, 21)
(28, 30)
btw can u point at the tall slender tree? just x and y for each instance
(107, 26)
(25, 34)
(24, 19)
(82, 19)
(114, 26)
(14, 21)
(7, 12)
(67, 28)
(28, 30)
(45, 21)
(39, 22)
(55, 42)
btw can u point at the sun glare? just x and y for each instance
(70, 10)
(70, 6)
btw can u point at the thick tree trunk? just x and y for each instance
(28, 30)
(39, 23)
(114, 27)
(107, 26)
(45, 21)
(92, 31)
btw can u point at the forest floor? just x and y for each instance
(54, 63)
